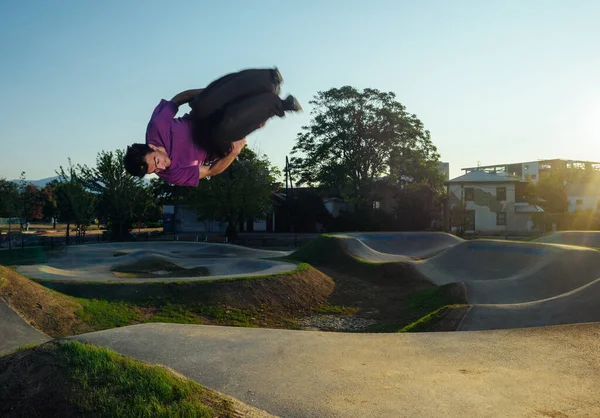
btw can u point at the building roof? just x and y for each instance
(551, 160)
(527, 208)
(479, 176)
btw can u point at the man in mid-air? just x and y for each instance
(214, 132)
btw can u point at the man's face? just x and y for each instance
(157, 160)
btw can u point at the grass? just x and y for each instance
(336, 310)
(101, 314)
(109, 384)
(24, 347)
(425, 309)
(425, 323)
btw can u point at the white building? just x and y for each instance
(531, 170)
(494, 203)
(583, 196)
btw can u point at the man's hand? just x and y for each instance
(221, 165)
(238, 146)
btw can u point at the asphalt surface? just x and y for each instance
(15, 331)
(96, 262)
(545, 372)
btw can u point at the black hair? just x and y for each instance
(135, 159)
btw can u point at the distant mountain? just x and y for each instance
(39, 183)
(42, 182)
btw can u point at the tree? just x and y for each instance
(49, 204)
(120, 196)
(32, 203)
(9, 199)
(75, 205)
(356, 137)
(9, 202)
(241, 192)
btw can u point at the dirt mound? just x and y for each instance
(155, 266)
(46, 381)
(48, 311)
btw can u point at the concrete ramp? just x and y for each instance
(498, 272)
(578, 306)
(513, 272)
(407, 244)
(580, 238)
(97, 262)
(538, 372)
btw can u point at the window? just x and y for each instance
(501, 218)
(526, 167)
(469, 194)
(376, 204)
(500, 193)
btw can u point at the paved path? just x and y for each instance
(550, 371)
(15, 331)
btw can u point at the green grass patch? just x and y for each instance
(26, 256)
(429, 300)
(428, 321)
(336, 310)
(327, 250)
(109, 384)
(102, 314)
(24, 347)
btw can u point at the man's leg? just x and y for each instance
(234, 87)
(246, 116)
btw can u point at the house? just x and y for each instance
(583, 196)
(490, 203)
(532, 170)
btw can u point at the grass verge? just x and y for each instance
(70, 379)
(71, 308)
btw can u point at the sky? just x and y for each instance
(494, 82)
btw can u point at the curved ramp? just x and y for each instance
(382, 246)
(513, 272)
(579, 306)
(579, 238)
(97, 262)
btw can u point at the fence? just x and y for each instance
(255, 240)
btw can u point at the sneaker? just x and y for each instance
(291, 104)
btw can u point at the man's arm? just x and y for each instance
(185, 96)
(221, 165)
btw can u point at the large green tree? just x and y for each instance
(74, 204)
(9, 199)
(355, 137)
(121, 197)
(241, 192)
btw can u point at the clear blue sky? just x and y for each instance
(494, 82)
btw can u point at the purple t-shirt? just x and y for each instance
(175, 135)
